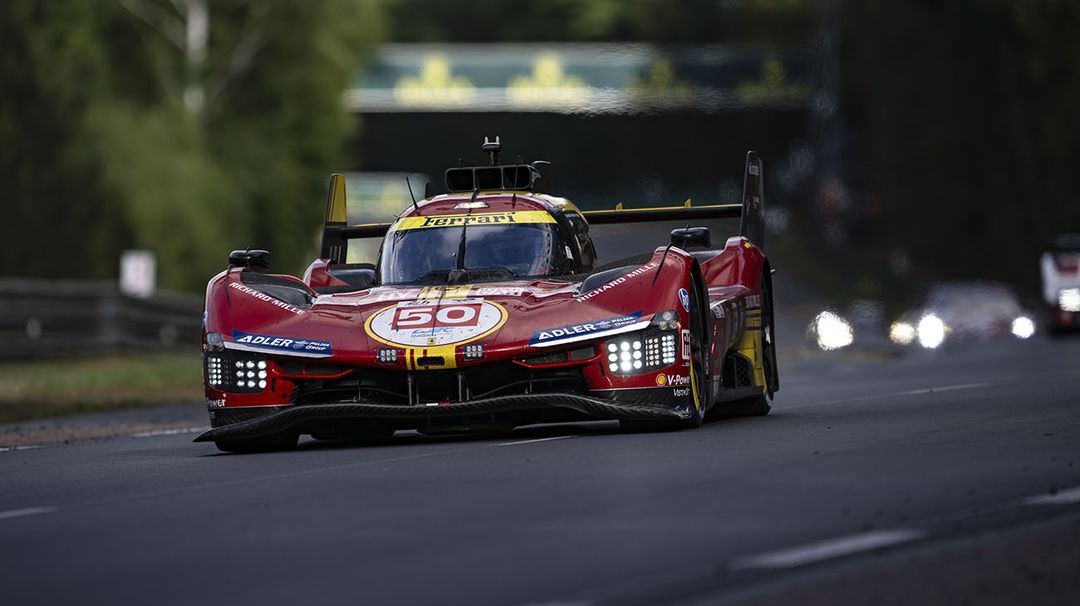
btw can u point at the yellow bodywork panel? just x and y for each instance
(335, 203)
(751, 346)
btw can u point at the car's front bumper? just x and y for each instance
(276, 419)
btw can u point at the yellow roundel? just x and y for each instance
(661, 380)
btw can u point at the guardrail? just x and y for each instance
(47, 318)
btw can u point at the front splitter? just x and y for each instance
(289, 417)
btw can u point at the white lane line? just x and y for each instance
(169, 432)
(536, 440)
(916, 392)
(14, 448)
(897, 394)
(1063, 497)
(828, 549)
(29, 511)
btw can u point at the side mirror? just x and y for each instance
(691, 238)
(255, 260)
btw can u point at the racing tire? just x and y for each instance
(271, 443)
(699, 378)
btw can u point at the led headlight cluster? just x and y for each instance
(213, 371)
(641, 352)
(660, 350)
(474, 351)
(624, 355)
(236, 372)
(251, 374)
(387, 355)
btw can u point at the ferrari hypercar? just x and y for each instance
(485, 310)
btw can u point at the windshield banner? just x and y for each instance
(501, 218)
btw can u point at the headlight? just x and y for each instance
(236, 372)
(214, 340)
(902, 333)
(641, 352)
(1023, 327)
(1069, 299)
(931, 331)
(832, 331)
(666, 320)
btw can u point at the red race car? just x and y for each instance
(486, 311)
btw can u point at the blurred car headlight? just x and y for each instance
(930, 331)
(832, 331)
(1023, 327)
(902, 333)
(1069, 299)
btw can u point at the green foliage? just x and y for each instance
(104, 147)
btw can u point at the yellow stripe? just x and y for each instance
(449, 292)
(619, 207)
(478, 219)
(412, 354)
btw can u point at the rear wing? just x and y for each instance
(751, 212)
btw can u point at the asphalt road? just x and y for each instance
(858, 463)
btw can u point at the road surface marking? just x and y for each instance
(916, 392)
(1063, 497)
(169, 432)
(536, 440)
(897, 394)
(828, 549)
(14, 448)
(29, 511)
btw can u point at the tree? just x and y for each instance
(181, 126)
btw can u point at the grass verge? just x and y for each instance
(58, 387)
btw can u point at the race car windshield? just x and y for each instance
(492, 252)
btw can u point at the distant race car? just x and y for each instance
(964, 311)
(486, 311)
(1060, 269)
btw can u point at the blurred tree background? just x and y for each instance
(190, 127)
(187, 127)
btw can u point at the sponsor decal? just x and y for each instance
(584, 328)
(663, 380)
(685, 344)
(684, 298)
(617, 281)
(674, 380)
(427, 323)
(500, 218)
(216, 403)
(753, 300)
(680, 392)
(265, 297)
(282, 344)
